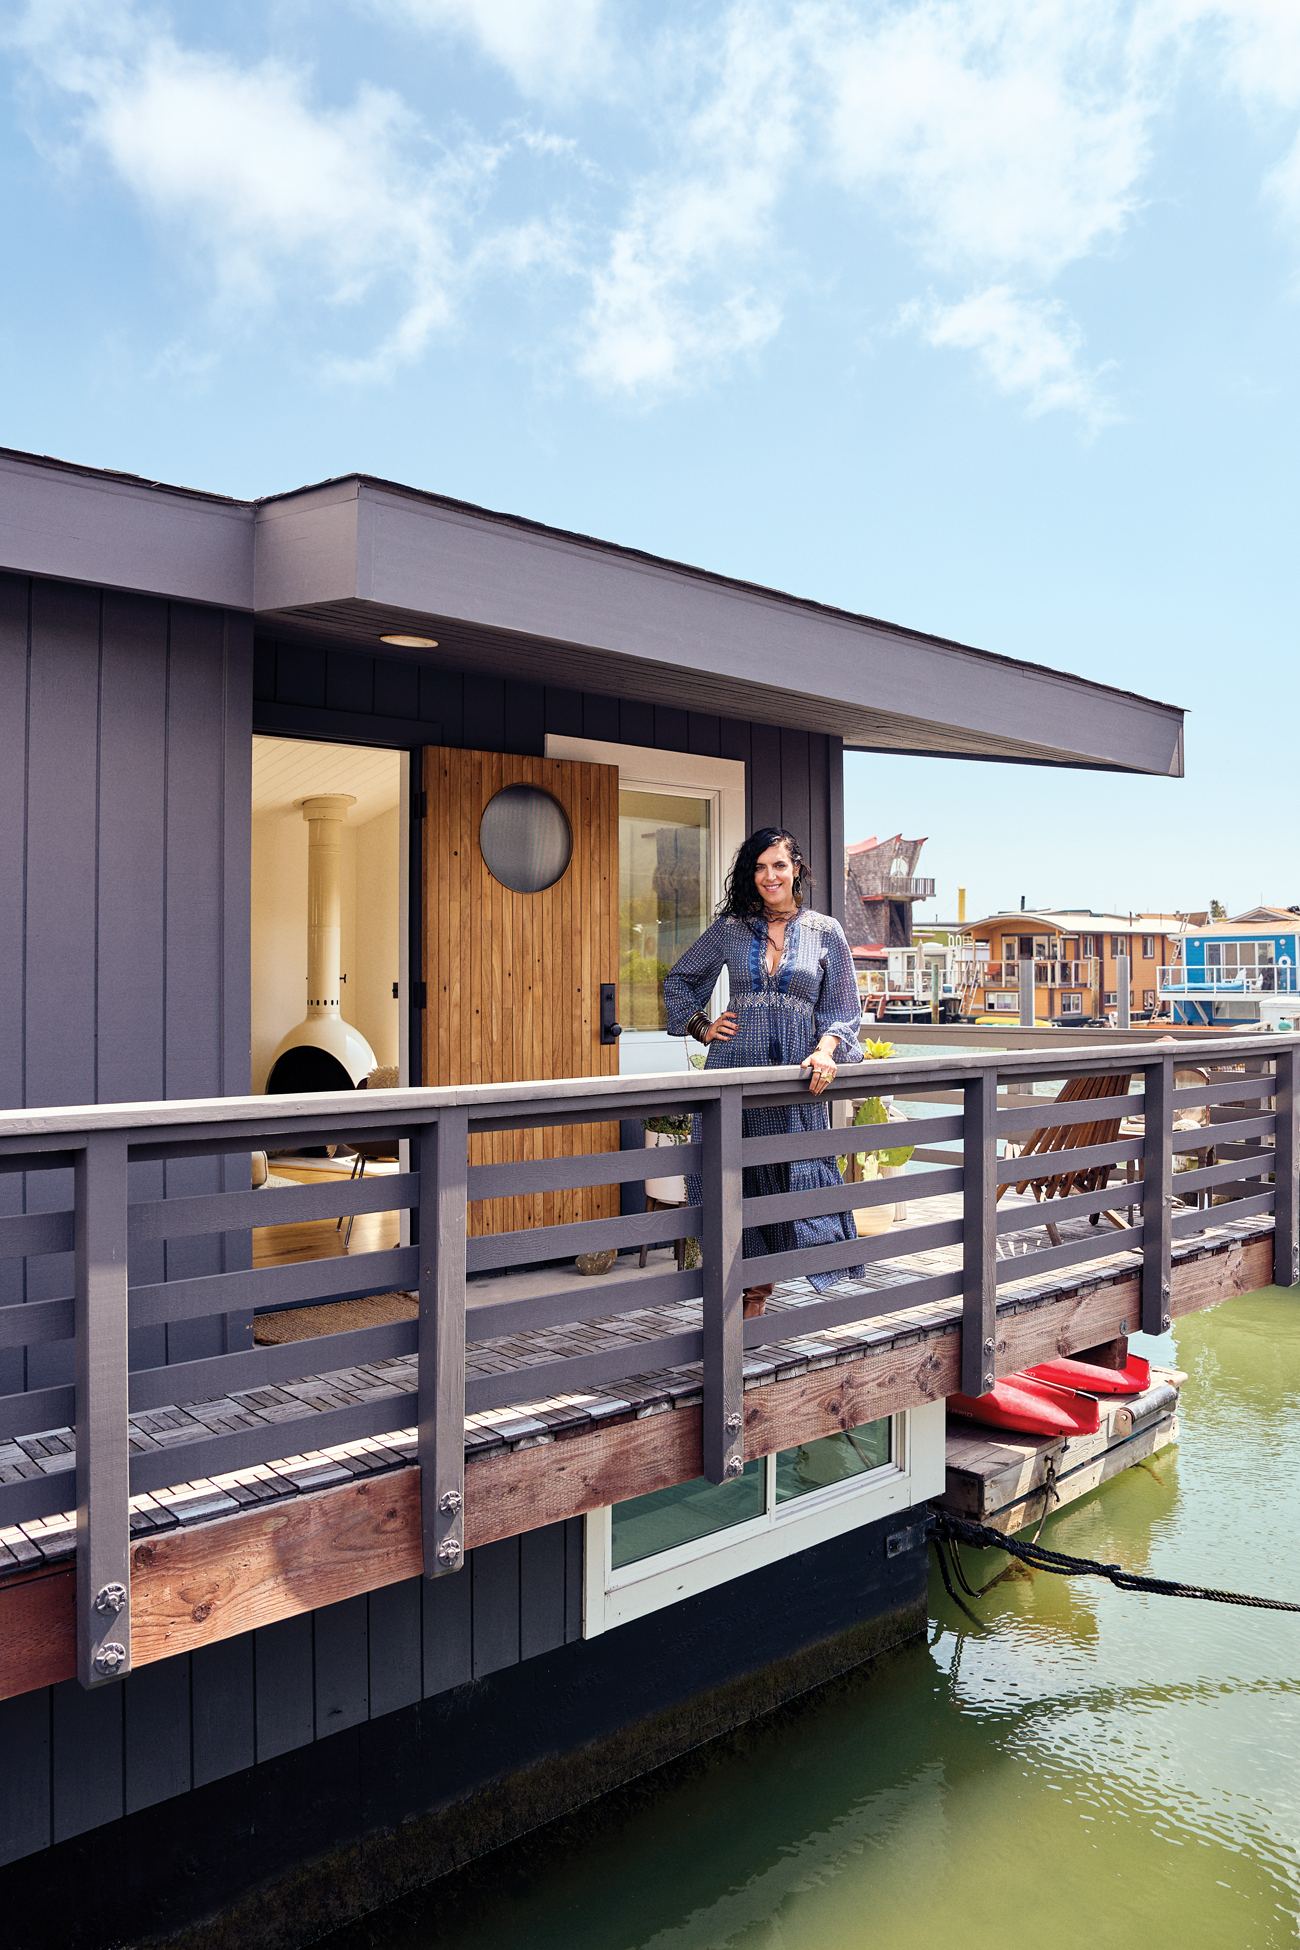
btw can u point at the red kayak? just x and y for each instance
(1032, 1407)
(1132, 1379)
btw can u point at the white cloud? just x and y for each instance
(282, 197)
(689, 280)
(547, 47)
(1003, 133)
(1029, 348)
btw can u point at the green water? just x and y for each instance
(1092, 1769)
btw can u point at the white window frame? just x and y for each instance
(682, 775)
(1071, 1005)
(915, 1472)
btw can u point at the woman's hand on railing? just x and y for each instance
(722, 1029)
(821, 1063)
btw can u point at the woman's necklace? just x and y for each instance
(777, 920)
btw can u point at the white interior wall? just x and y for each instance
(376, 935)
(370, 932)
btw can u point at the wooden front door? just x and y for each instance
(512, 981)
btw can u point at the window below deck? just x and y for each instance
(655, 1549)
(1071, 1005)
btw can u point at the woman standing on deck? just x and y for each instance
(794, 999)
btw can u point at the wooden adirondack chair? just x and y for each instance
(1048, 1184)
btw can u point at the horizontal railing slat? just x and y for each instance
(1079, 1205)
(1186, 1224)
(239, 1137)
(529, 1175)
(786, 1149)
(38, 1496)
(1050, 1164)
(266, 1367)
(1071, 1252)
(585, 1302)
(273, 1286)
(843, 1310)
(1226, 1173)
(584, 1236)
(28, 1233)
(184, 1218)
(1048, 1116)
(1219, 1134)
(1194, 1098)
(220, 1455)
(776, 1207)
(36, 1323)
(581, 1373)
(37, 1410)
(851, 1252)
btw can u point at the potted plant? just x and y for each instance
(667, 1130)
(873, 1165)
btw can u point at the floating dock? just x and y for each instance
(1002, 1479)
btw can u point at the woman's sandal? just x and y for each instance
(755, 1299)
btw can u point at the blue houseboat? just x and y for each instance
(1237, 974)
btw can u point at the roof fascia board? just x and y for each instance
(308, 549)
(88, 527)
(432, 560)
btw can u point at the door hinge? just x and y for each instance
(420, 994)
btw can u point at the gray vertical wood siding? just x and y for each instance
(125, 756)
(88, 1758)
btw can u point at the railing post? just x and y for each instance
(1286, 1164)
(103, 1444)
(721, 1243)
(979, 1311)
(440, 1445)
(1122, 980)
(1157, 1195)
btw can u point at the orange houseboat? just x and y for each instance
(1075, 955)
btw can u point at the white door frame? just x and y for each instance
(688, 776)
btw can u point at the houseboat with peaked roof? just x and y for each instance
(353, 1520)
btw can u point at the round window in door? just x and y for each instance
(525, 839)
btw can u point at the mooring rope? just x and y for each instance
(953, 1530)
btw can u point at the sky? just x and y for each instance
(977, 315)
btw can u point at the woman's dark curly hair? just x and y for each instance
(742, 898)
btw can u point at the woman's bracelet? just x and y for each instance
(697, 1027)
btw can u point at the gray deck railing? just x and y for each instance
(977, 1102)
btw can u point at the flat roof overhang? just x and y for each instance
(353, 560)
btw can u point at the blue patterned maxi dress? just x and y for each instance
(779, 1019)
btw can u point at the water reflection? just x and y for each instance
(1091, 1768)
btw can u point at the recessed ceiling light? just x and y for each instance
(412, 642)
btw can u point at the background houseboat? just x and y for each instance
(1237, 974)
(1075, 955)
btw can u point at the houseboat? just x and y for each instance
(347, 1529)
(1237, 974)
(1076, 956)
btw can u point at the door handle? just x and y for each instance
(610, 1030)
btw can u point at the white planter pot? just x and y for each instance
(874, 1219)
(666, 1191)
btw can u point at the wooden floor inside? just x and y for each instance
(372, 1232)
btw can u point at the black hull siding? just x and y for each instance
(279, 1853)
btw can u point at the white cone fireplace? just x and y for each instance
(323, 1052)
